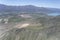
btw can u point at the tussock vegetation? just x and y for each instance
(41, 28)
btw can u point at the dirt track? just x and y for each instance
(22, 26)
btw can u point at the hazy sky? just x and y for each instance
(42, 3)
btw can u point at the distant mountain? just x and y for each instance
(27, 8)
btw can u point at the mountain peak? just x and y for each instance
(2, 5)
(30, 6)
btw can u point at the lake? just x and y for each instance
(54, 14)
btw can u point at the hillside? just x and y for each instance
(40, 27)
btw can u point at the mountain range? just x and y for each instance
(28, 8)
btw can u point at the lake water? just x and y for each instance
(54, 14)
